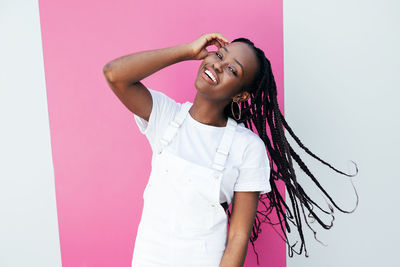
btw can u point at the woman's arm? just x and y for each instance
(244, 208)
(134, 67)
(123, 75)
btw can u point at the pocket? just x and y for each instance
(195, 213)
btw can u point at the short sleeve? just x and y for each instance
(163, 111)
(254, 170)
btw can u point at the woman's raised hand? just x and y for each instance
(198, 47)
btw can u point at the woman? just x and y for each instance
(206, 155)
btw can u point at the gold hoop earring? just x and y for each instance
(240, 110)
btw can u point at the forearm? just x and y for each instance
(235, 252)
(137, 66)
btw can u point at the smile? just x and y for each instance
(208, 76)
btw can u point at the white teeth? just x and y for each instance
(209, 73)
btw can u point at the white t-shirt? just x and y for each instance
(247, 167)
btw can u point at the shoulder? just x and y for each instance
(165, 106)
(251, 147)
(247, 137)
(164, 109)
(164, 99)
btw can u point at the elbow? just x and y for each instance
(239, 237)
(107, 72)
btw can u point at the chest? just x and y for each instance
(199, 148)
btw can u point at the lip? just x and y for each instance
(205, 77)
(213, 72)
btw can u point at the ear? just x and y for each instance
(246, 95)
(242, 96)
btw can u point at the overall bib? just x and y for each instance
(183, 223)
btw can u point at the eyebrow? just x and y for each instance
(241, 66)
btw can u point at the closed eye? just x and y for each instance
(220, 57)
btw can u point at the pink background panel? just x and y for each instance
(101, 160)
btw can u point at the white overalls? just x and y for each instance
(183, 223)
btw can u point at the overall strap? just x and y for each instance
(223, 150)
(173, 126)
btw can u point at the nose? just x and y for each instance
(218, 66)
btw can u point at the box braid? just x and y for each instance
(262, 109)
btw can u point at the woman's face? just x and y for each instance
(234, 66)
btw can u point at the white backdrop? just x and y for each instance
(342, 83)
(28, 213)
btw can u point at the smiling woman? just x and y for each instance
(206, 156)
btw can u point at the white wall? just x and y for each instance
(342, 92)
(28, 214)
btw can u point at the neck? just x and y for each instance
(208, 112)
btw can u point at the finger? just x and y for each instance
(220, 37)
(214, 42)
(223, 42)
(223, 38)
(217, 44)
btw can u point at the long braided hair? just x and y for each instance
(262, 109)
